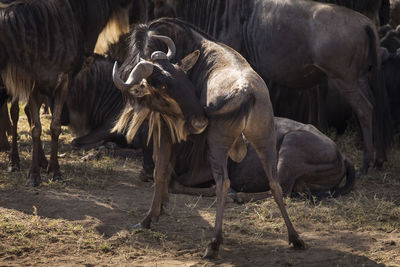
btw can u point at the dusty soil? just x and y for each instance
(87, 221)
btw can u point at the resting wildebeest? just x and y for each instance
(308, 162)
(43, 43)
(294, 43)
(233, 96)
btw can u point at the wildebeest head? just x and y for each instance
(157, 85)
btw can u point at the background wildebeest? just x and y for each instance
(92, 107)
(43, 43)
(294, 44)
(308, 162)
(391, 67)
(235, 100)
(376, 10)
(391, 40)
(394, 12)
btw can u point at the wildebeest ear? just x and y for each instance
(384, 54)
(189, 61)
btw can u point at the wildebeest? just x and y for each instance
(391, 67)
(234, 98)
(394, 12)
(308, 162)
(94, 104)
(293, 43)
(391, 40)
(43, 44)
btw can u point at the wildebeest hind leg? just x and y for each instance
(55, 128)
(262, 137)
(220, 138)
(357, 95)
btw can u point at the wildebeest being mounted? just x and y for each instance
(233, 96)
(294, 43)
(308, 163)
(42, 48)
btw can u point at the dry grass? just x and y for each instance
(87, 220)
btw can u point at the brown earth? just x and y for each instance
(88, 220)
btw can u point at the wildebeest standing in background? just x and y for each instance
(235, 100)
(376, 10)
(43, 44)
(293, 43)
(94, 104)
(395, 12)
(391, 67)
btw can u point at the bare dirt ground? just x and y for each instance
(87, 221)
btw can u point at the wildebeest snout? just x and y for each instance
(197, 124)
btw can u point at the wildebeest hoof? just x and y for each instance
(137, 226)
(43, 163)
(297, 242)
(379, 164)
(58, 178)
(35, 182)
(212, 250)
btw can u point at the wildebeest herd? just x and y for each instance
(198, 85)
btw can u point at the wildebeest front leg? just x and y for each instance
(14, 155)
(263, 138)
(162, 173)
(55, 128)
(4, 127)
(43, 161)
(36, 130)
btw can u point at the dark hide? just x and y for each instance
(394, 12)
(376, 10)
(93, 106)
(5, 124)
(308, 162)
(234, 98)
(42, 46)
(305, 53)
(391, 67)
(391, 40)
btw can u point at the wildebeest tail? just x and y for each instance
(382, 118)
(350, 180)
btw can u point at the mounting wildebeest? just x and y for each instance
(234, 98)
(293, 43)
(308, 162)
(43, 43)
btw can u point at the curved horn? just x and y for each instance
(171, 45)
(141, 71)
